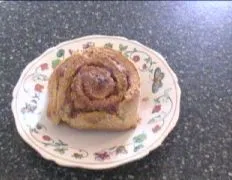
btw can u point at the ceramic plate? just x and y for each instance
(159, 109)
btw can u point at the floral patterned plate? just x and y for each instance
(159, 109)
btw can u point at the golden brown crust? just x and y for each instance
(98, 89)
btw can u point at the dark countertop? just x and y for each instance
(196, 39)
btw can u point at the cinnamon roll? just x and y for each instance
(97, 89)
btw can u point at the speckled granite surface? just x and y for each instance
(196, 39)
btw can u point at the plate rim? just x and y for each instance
(141, 154)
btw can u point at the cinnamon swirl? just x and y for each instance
(97, 89)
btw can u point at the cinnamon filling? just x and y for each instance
(94, 85)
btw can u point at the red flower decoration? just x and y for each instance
(46, 138)
(136, 58)
(39, 87)
(102, 155)
(144, 66)
(157, 108)
(156, 128)
(44, 66)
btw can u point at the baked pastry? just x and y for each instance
(97, 89)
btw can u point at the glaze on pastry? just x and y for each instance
(98, 89)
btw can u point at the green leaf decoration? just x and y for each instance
(151, 71)
(57, 144)
(60, 53)
(154, 119)
(157, 101)
(112, 148)
(60, 150)
(39, 126)
(147, 60)
(136, 148)
(121, 150)
(140, 138)
(108, 45)
(55, 63)
(35, 131)
(62, 143)
(77, 155)
(166, 92)
(122, 48)
(126, 55)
